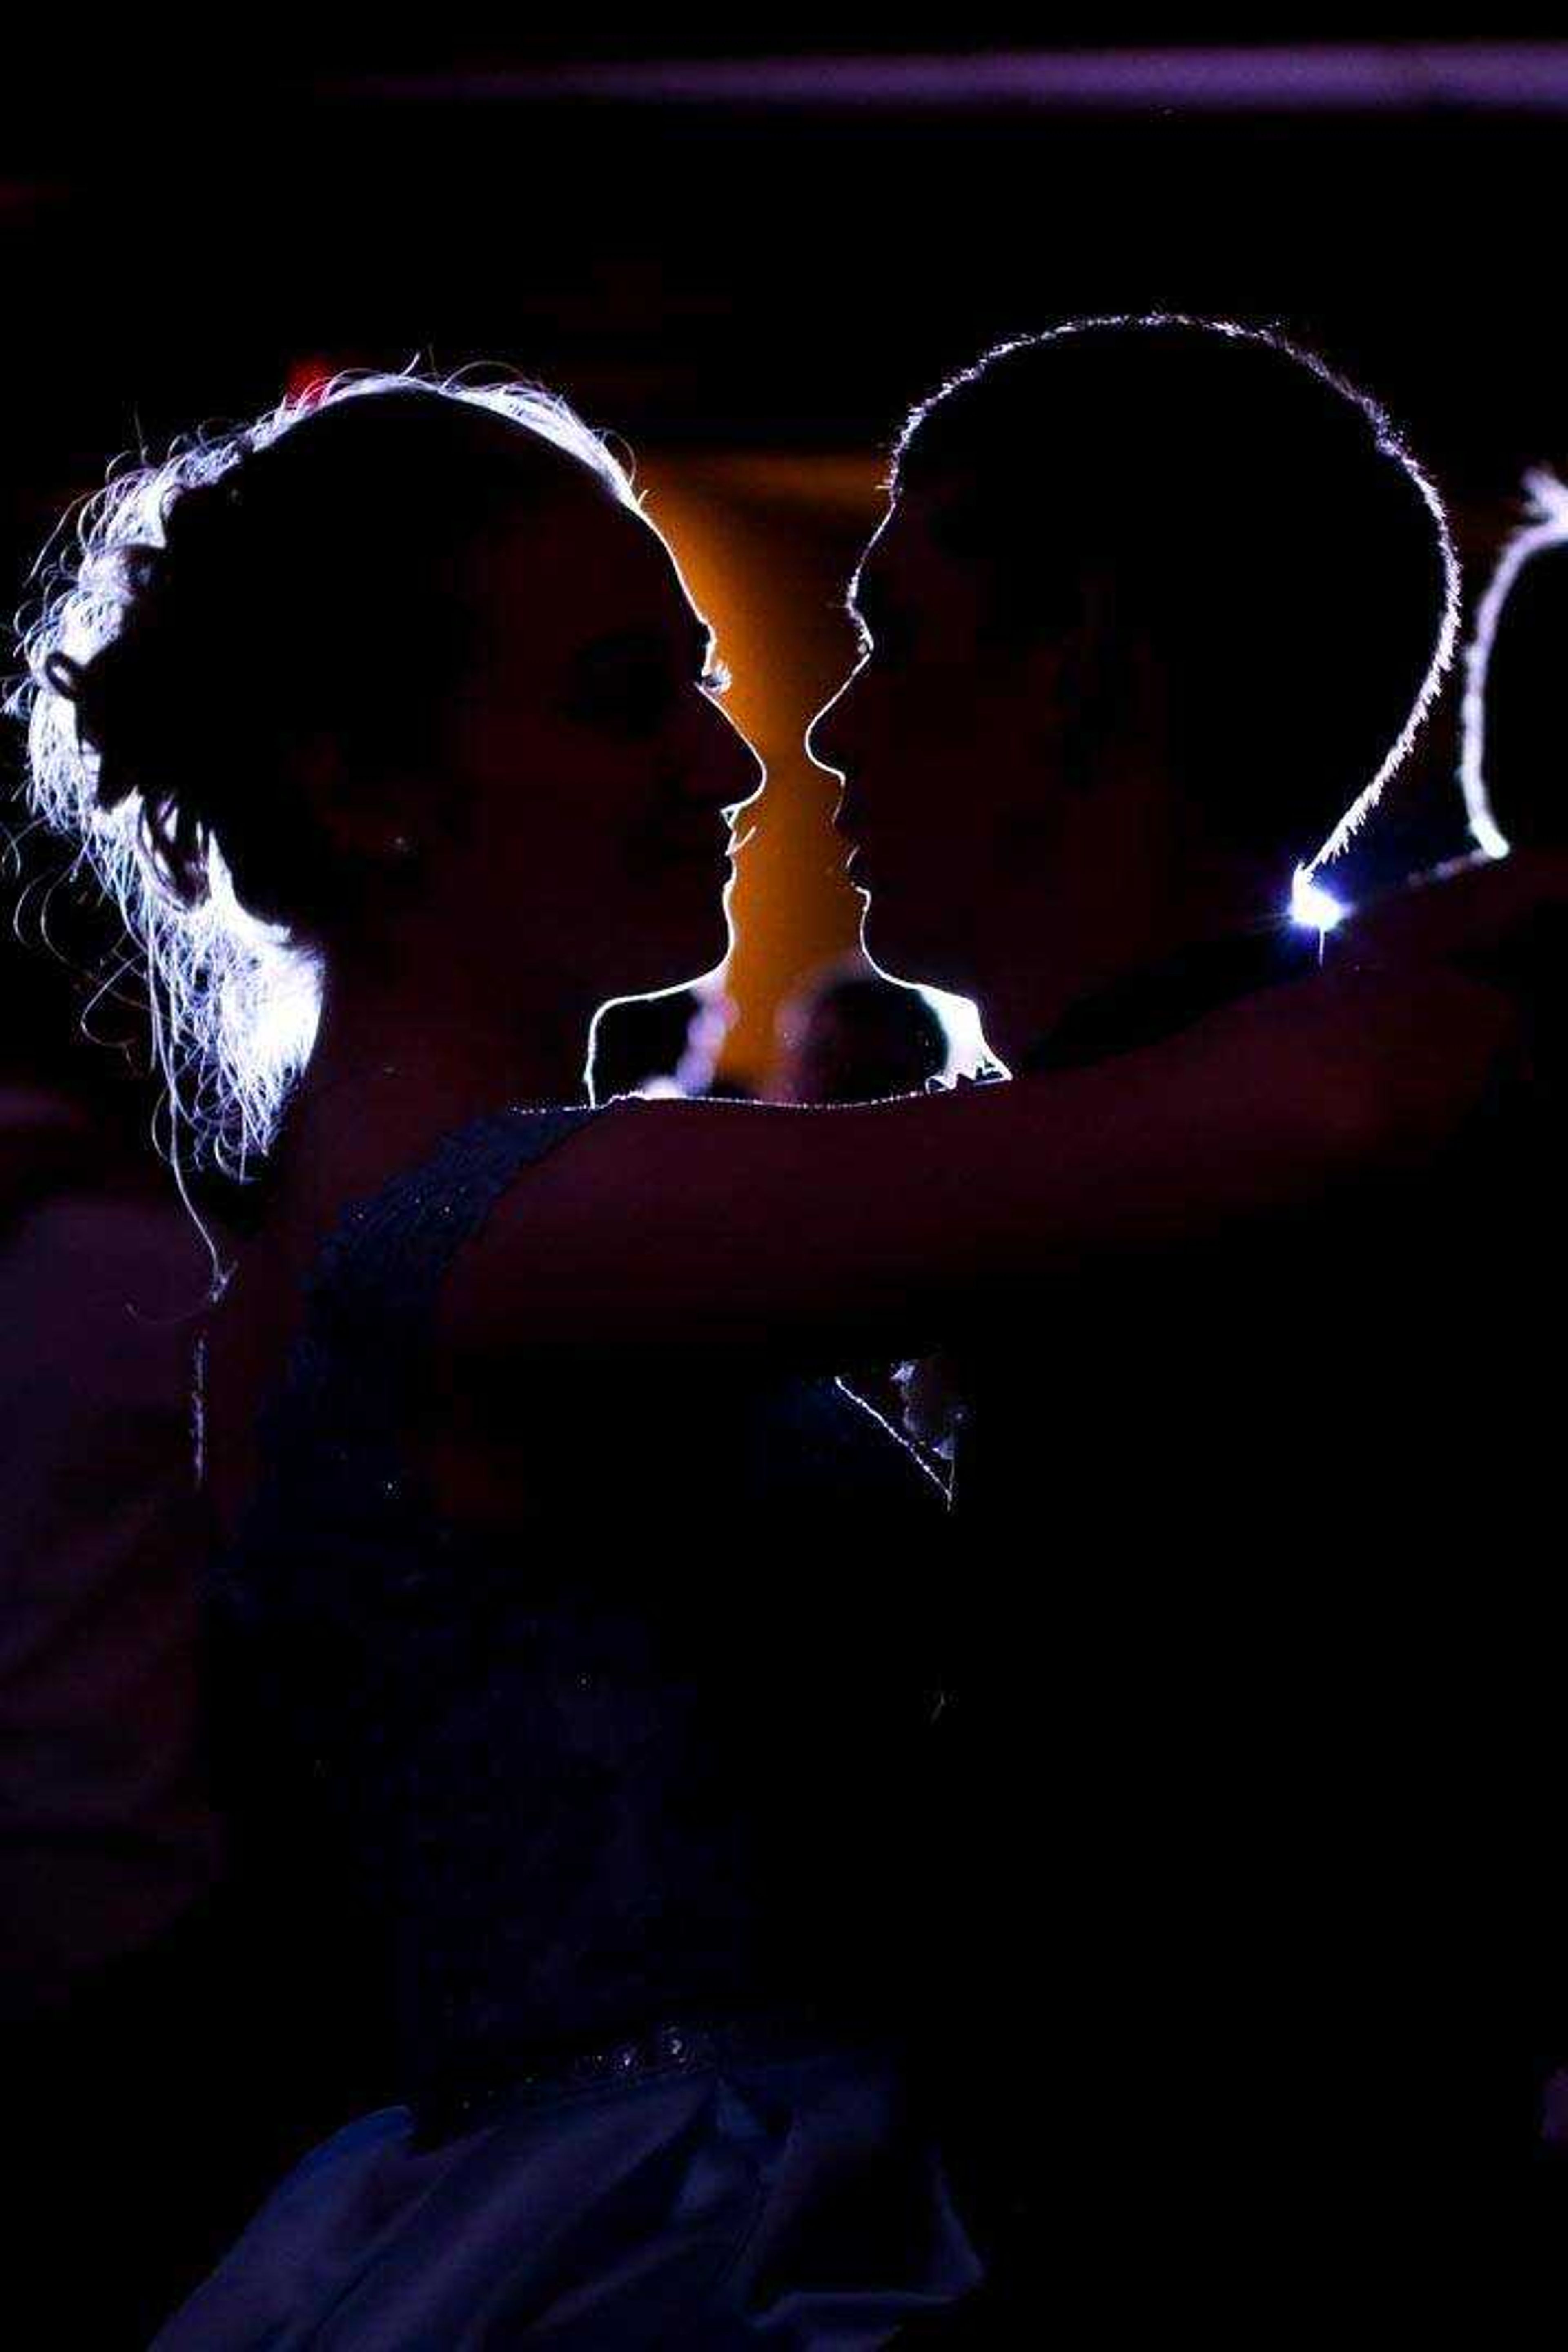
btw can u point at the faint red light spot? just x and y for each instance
(308, 379)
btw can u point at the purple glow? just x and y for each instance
(1386, 77)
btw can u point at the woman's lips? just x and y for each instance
(680, 846)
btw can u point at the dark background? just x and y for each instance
(761, 245)
(789, 259)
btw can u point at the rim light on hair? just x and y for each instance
(235, 1000)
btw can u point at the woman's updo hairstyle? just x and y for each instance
(201, 619)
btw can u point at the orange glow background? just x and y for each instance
(766, 543)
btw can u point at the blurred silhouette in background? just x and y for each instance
(109, 1846)
(851, 1035)
(1514, 756)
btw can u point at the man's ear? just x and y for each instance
(1112, 685)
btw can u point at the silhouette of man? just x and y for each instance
(1156, 610)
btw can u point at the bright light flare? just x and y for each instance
(1315, 908)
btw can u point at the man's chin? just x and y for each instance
(896, 953)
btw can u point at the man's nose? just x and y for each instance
(823, 735)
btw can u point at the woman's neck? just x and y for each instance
(389, 1076)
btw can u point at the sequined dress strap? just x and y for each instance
(392, 1249)
(336, 1423)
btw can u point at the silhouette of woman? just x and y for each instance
(574, 1652)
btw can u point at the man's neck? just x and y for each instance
(1036, 976)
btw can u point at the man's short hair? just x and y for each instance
(1255, 517)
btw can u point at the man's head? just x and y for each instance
(1157, 606)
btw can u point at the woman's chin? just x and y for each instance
(691, 953)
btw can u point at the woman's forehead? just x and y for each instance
(584, 566)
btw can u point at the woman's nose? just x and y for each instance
(733, 772)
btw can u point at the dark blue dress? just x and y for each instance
(596, 1837)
